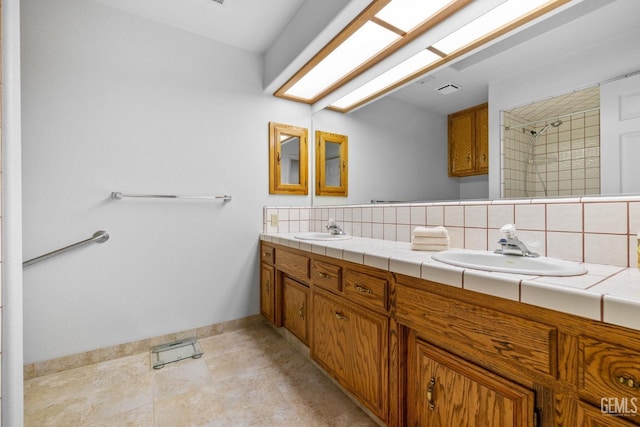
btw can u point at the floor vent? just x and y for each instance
(174, 351)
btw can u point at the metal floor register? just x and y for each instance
(174, 351)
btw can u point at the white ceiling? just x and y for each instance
(584, 25)
(251, 25)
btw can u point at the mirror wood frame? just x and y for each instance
(322, 189)
(277, 133)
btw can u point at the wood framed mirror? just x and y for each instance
(332, 164)
(288, 159)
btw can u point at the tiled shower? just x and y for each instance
(541, 159)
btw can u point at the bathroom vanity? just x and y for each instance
(417, 352)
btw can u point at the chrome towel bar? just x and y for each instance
(98, 237)
(118, 196)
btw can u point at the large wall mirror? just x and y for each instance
(331, 164)
(288, 159)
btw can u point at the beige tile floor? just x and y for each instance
(249, 377)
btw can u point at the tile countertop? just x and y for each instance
(606, 293)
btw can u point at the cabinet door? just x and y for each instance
(462, 144)
(482, 140)
(294, 296)
(448, 391)
(267, 292)
(352, 343)
(329, 338)
(368, 358)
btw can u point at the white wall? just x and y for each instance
(114, 102)
(396, 152)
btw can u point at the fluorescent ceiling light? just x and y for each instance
(370, 39)
(483, 25)
(407, 14)
(399, 72)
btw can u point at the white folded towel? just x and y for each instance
(431, 240)
(428, 247)
(438, 231)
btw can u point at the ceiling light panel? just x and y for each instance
(487, 23)
(366, 42)
(418, 61)
(407, 14)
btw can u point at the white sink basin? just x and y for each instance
(489, 261)
(313, 235)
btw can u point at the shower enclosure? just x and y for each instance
(552, 147)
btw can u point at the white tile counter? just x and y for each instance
(606, 293)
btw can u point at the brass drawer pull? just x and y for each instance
(267, 286)
(324, 276)
(267, 254)
(341, 316)
(301, 312)
(629, 382)
(432, 404)
(363, 290)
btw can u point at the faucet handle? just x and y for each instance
(331, 222)
(508, 231)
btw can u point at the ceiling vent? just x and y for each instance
(448, 88)
(218, 1)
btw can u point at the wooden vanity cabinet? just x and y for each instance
(468, 137)
(351, 343)
(420, 353)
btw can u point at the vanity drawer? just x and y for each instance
(474, 329)
(295, 265)
(267, 254)
(326, 276)
(366, 289)
(608, 370)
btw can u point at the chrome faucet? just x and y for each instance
(334, 228)
(511, 245)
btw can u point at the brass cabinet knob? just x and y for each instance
(363, 290)
(627, 381)
(341, 316)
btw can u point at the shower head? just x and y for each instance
(544, 129)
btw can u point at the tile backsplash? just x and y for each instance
(598, 230)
